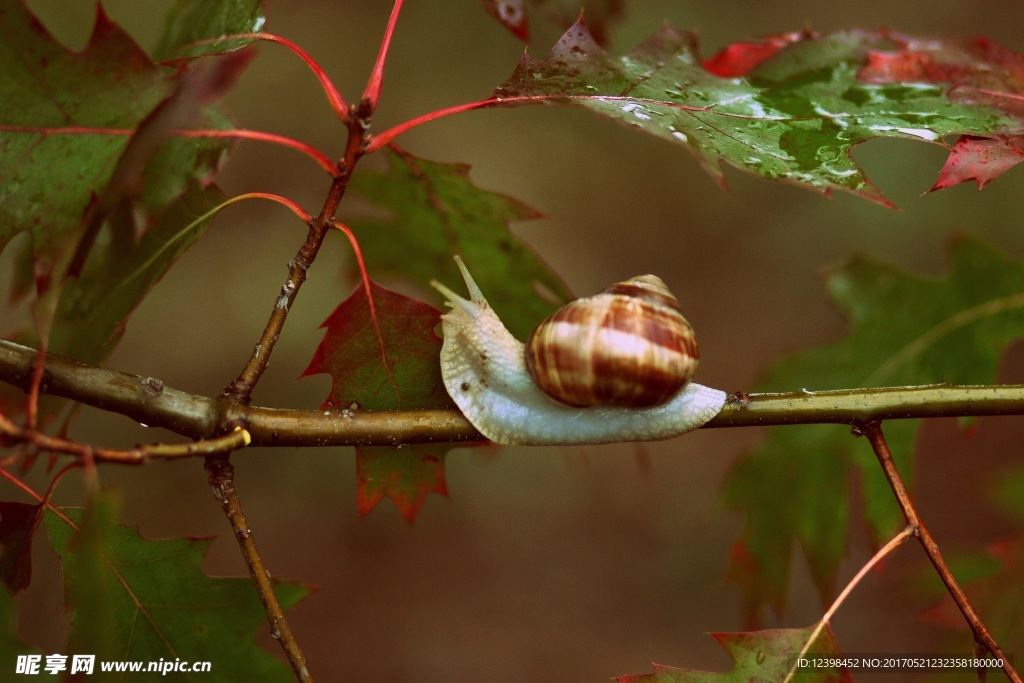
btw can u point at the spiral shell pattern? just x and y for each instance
(627, 346)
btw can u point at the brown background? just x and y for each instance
(545, 564)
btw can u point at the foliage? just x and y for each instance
(959, 328)
(794, 117)
(110, 157)
(145, 600)
(380, 351)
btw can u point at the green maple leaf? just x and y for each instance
(386, 359)
(146, 600)
(438, 212)
(123, 207)
(905, 329)
(795, 117)
(758, 657)
(65, 125)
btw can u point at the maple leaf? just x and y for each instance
(975, 71)
(64, 137)
(904, 330)
(758, 657)
(739, 59)
(438, 212)
(386, 358)
(794, 117)
(196, 28)
(406, 476)
(149, 600)
(980, 159)
(120, 208)
(18, 523)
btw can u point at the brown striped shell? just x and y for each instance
(627, 346)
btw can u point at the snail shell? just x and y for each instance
(627, 346)
(484, 370)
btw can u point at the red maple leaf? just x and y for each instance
(980, 159)
(739, 59)
(385, 357)
(979, 71)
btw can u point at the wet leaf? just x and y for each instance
(905, 329)
(758, 657)
(791, 109)
(438, 212)
(980, 159)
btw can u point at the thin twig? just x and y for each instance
(898, 540)
(222, 479)
(240, 390)
(873, 431)
(239, 393)
(137, 455)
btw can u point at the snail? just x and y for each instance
(487, 372)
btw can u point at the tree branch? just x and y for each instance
(873, 431)
(222, 480)
(147, 400)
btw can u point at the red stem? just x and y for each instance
(322, 159)
(372, 93)
(377, 141)
(319, 157)
(369, 297)
(334, 97)
(284, 201)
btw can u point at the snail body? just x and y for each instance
(484, 369)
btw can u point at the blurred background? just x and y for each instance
(545, 563)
